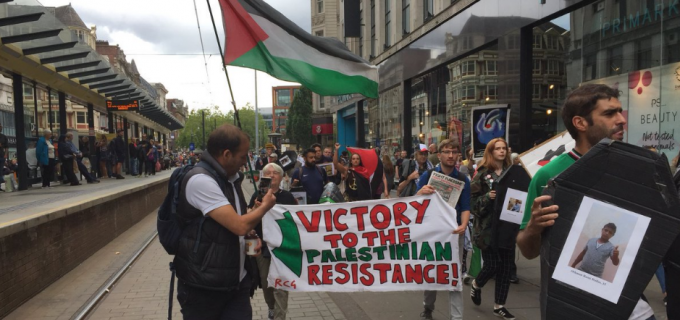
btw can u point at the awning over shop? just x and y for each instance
(36, 45)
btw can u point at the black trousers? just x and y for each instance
(201, 304)
(67, 167)
(48, 172)
(498, 264)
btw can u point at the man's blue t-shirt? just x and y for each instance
(312, 180)
(465, 196)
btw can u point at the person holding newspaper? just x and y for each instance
(498, 261)
(448, 155)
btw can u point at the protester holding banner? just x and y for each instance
(591, 113)
(276, 299)
(448, 155)
(411, 171)
(497, 260)
(357, 187)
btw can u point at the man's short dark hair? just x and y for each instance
(582, 101)
(308, 151)
(314, 146)
(611, 226)
(225, 137)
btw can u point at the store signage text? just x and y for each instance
(619, 25)
(122, 105)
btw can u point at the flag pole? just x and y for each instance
(231, 92)
(257, 118)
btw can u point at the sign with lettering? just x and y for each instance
(378, 245)
(122, 105)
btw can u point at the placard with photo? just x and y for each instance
(300, 196)
(600, 249)
(513, 206)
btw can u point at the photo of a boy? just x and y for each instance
(597, 251)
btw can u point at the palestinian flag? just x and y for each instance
(261, 38)
(370, 174)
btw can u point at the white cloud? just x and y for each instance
(162, 37)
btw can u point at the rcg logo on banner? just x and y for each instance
(380, 245)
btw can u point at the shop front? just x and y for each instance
(529, 56)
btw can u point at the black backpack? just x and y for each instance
(168, 225)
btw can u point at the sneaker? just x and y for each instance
(503, 313)
(476, 294)
(664, 301)
(514, 279)
(467, 279)
(270, 314)
(93, 181)
(119, 177)
(426, 314)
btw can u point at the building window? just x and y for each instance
(536, 92)
(319, 33)
(615, 60)
(467, 68)
(538, 40)
(54, 117)
(469, 93)
(428, 9)
(491, 92)
(28, 91)
(466, 43)
(553, 43)
(553, 67)
(373, 28)
(406, 16)
(81, 117)
(455, 72)
(283, 97)
(644, 58)
(554, 93)
(387, 24)
(319, 6)
(322, 102)
(456, 95)
(537, 66)
(491, 68)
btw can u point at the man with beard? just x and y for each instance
(590, 113)
(310, 177)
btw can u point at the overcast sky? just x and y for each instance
(162, 37)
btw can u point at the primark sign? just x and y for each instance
(640, 18)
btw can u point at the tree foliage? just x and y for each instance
(299, 124)
(193, 130)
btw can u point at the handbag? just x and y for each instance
(150, 156)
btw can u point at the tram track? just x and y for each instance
(86, 310)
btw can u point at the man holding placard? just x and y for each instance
(591, 113)
(448, 156)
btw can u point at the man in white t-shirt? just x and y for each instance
(215, 277)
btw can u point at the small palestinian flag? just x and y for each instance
(261, 38)
(370, 174)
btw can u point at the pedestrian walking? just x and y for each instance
(498, 258)
(44, 151)
(448, 152)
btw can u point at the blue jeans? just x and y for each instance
(135, 166)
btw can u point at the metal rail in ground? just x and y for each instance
(85, 310)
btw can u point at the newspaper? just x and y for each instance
(448, 188)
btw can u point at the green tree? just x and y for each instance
(193, 131)
(299, 124)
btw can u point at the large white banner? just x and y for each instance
(378, 245)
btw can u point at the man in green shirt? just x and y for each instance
(590, 113)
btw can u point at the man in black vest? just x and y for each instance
(215, 276)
